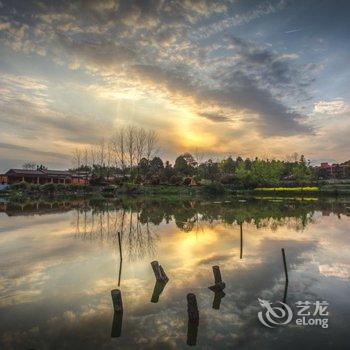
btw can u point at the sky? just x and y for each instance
(235, 77)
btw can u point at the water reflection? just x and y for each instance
(117, 325)
(59, 262)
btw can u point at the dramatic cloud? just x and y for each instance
(331, 107)
(72, 68)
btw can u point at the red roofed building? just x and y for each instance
(42, 176)
(335, 170)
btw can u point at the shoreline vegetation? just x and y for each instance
(129, 164)
(24, 190)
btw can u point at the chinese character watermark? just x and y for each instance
(308, 313)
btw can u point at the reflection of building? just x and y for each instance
(42, 176)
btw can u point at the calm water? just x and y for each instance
(59, 262)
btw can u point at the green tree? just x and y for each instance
(156, 165)
(302, 173)
(184, 164)
(227, 166)
(143, 166)
(241, 174)
(168, 170)
(212, 169)
(266, 172)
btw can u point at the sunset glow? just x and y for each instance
(229, 78)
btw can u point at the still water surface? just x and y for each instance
(59, 262)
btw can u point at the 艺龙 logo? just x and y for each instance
(280, 314)
(274, 315)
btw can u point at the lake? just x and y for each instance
(59, 262)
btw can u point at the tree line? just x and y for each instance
(132, 154)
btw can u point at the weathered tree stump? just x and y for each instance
(157, 291)
(217, 299)
(159, 272)
(117, 300)
(192, 309)
(217, 274)
(219, 285)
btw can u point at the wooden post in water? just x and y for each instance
(157, 291)
(159, 272)
(285, 291)
(117, 325)
(192, 331)
(117, 300)
(285, 264)
(120, 259)
(192, 308)
(241, 231)
(193, 319)
(217, 299)
(217, 274)
(218, 284)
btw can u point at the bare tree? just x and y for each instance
(77, 158)
(85, 157)
(92, 156)
(130, 134)
(151, 144)
(102, 153)
(119, 148)
(109, 156)
(141, 138)
(198, 156)
(294, 157)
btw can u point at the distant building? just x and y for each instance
(335, 170)
(3, 179)
(42, 176)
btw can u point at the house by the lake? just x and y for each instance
(42, 176)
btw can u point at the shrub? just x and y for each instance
(138, 179)
(50, 187)
(215, 188)
(227, 179)
(109, 189)
(187, 181)
(98, 181)
(155, 180)
(35, 187)
(129, 188)
(21, 186)
(175, 180)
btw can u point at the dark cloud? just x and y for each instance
(215, 117)
(237, 92)
(257, 80)
(222, 60)
(268, 68)
(11, 147)
(38, 123)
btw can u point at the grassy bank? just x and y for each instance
(23, 190)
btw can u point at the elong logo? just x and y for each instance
(274, 315)
(282, 314)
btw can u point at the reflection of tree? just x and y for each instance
(104, 225)
(135, 218)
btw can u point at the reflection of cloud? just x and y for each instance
(335, 270)
(75, 303)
